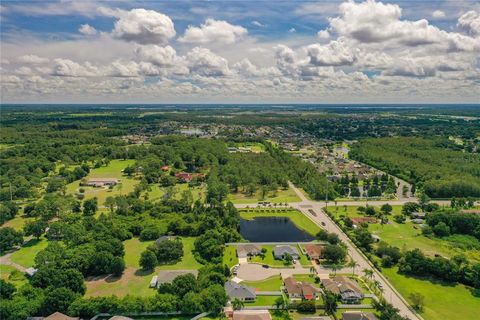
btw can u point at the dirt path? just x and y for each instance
(6, 260)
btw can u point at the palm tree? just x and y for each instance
(335, 267)
(279, 303)
(368, 273)
(238, 304)
(353, 264)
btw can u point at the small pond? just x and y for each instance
(272, 229)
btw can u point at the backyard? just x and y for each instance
(25, 256)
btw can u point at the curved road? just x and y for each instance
(322, 220)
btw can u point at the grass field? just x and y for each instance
(113, 170)
(18, 222)
(270, 284)
(134, 280)
(230, 256)
(156, 192)
(352, 210)
(12, 275)
(263, 301)
(306, 278)
(298, 218)
(281, 196)
(442, 301)
(255, 147)
(25, 256)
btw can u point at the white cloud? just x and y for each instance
(32, 59)
(160, 56)
(217, 31)
(69, 68)
(258, 24)
(323, 34)
(204, 62)
(144, 27)
(470, 22)
(336, 53)
(87, 30)
(438, 14)
(292, 30)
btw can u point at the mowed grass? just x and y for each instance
(298, 218)
(270, 284)
(25, 256)
(281, 196)
(268, 259)
(263, 301)
(18, 222)
(135, 281)
(442, 301)
(113, 170)
(352, 211)
(12, 275)
(230, 256)
(156, 192)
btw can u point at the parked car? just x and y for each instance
(323, 224)
(265, 266)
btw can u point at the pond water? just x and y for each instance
(272, 229)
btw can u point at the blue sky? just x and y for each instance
(240, 51)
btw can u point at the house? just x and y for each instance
(239, 291)
(246, 250)
(167, 276)
(154, 282)
(164, 168)
(418, 215)
(232, 149)
(102, 182)
(348, 290)
(59, 316)
(183, 176)
(358, 315)
(471, 211)
(163, 238)
(417, 221)
(280, 251)
(314, 251)
(251, 315)
(300, 290)
(31, 271)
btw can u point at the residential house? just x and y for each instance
(239, 291)
(300, 290)
(348, 290)
(167, 276)
(417, 221)
(246, 250)
(56, 316)
(314, 251)
(280, 251)
(102, 182)
(251, 315)
(31, 271)
(418, 215)
(163, 238)
(183, 176)
(358, 315)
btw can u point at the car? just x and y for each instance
(265, 266)
(323, 224)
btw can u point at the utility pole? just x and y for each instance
(326, 193)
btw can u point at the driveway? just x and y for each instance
(255, 272)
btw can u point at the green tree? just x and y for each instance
(330, 303)
(148, 260)
(58, 299)
(418, 300)
(386, 208)
(9, 238)
(35, 228)
(7, 289)
(90, 206)
(237, 304)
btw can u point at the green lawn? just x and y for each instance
(156, 192)
(134, 280)
(281, 196)
(230, 256)
(263, 301)
(306, 278)
(351, 211)
(25, 256)
(442, 301)
(113, 170)
(268, 259)
(270, 284)
(12, 275)
(18, 222)
(298, 218)
(255, 147)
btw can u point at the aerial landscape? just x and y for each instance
(211, 160)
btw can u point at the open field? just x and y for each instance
(135, 280)
(351, 211)
(18, 222)
(270, 284)
(255, 147)
(113, 170)
(230, 256)
(25, 256)
(156, 192)
(299, 219)
(12, 275)
(442, 301)
(281, 196)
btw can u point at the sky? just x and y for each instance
(260, 51)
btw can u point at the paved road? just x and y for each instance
(322, 219)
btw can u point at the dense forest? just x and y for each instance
(432, 163)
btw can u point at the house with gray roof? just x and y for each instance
(239, 291)
(358, 315)
(348, 290)
(280, 251)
